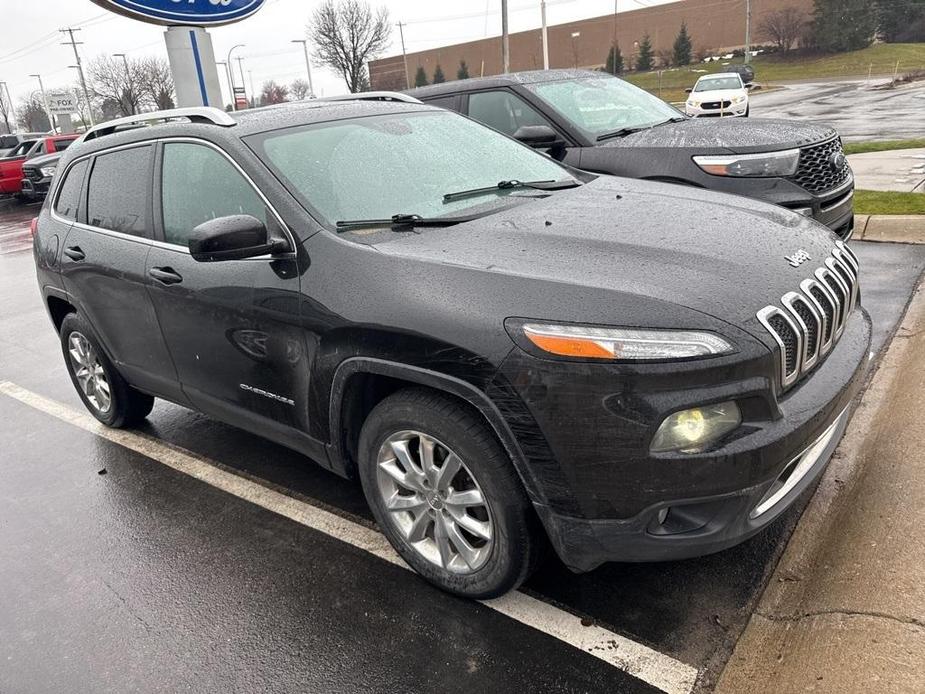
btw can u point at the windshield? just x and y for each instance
(380, 166)
(708, 84)
(22, 149)
(604, 104)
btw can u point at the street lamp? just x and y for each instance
(234, 97)
(308, 67)
(51, 118)
(575, 35)
(128, 77)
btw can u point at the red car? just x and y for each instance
(11, 165)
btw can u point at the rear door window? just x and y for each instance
(118, 192)
(69, 197)
(504, 111)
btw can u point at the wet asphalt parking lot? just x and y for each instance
(858, 109)
(191, 556)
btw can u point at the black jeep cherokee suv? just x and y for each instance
(500, 348)
(600, 123)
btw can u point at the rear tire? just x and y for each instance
(446, 494)
(103, 390)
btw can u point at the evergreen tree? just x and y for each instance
(463, 72)
(439, 77)
(901, 21)
(614, 64)
(683, 47)
(644, 59)
(420, 77)
(843, 25)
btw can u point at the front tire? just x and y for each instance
(101, 388)
(446, 494)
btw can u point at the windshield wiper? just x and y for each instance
(398, 222)
(512, 185)
(622, 132)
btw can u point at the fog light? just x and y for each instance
(691, 431)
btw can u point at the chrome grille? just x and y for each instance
(815, 172)
(808, 322)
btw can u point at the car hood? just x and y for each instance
(718, 254)
(44, 160)
(727, 135)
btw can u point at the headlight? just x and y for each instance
(739, 99)
(769, 164)
(624, 343)
(691, 431)
(693, 104)
(48, 171)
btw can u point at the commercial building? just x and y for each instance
(714, 26)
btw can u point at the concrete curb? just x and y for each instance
(889, 228)
(786, 591)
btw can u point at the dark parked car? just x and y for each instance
(10, 142)
(601, 123)
(499, 347)
(36, 176)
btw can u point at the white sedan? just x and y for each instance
(721, 94)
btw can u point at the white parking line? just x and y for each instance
(650, 666)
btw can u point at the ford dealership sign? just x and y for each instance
(184, 12)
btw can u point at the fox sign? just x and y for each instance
(184, 12)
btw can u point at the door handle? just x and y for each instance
(74, 253)
(165, 275)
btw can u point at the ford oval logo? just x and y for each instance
(191, 12)
(837, 161)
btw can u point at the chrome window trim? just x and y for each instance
(764, 316)
(824, 345)
(807, 360)
(164, 244)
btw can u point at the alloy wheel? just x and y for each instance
(89, 372)
(435, 502)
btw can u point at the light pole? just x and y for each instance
(234, 97)
(308, 67)
(241, 71)
(128, 80)
(505, 40)
(748, 31)
(404, 55)
(79, 67)
(575, 35)
(51, 118)
(545, 35)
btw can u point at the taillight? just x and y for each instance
(33, 226)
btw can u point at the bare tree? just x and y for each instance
(784, 27)
(273, 93)
(113, 84)
(31, 115)
(299, 89)
(346, 35)
(156, 83)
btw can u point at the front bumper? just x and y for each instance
(35, 190)
(636, 506)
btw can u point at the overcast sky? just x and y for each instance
(29, 42)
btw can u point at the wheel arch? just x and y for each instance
(362, 382)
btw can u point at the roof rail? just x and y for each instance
(372, 96)
(196, 114)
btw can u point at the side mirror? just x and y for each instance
(539, 137)
(688, 90)
(232, 238)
